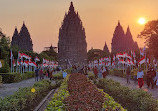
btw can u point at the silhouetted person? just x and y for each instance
(95, 71)
(128, 74)
(150, 77)
(36, 74)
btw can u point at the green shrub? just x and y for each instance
(69, 70)
(24, 99)
(91, 76)
(16, 77)
(58, 76)
(56, 103)
(132, 99)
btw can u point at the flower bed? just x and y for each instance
(82, 95)
(16, 77)
(26, 98)
(133, 100)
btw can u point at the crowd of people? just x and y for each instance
(151, 77)
(41, 73)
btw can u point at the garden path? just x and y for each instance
(9, 89)
(134, 85)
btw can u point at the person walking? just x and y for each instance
(128, 75)
(150, 77)
(36, 74)
(41, 74)
(95, 71)
(156, 79)
(100, 71)
(135, 71)
(50, 74)
(104, 72)
(140, 75)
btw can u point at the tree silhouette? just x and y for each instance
(150, 34)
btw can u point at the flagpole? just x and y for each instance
(13, 65)
(11, 58)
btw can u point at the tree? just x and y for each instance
(150, 34)
(96, 54)
(4, 51)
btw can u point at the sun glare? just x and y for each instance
(142, 21)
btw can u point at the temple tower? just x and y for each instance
(72, 45)
(23, 39)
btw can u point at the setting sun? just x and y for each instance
(142, 21)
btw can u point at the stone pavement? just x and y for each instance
(9, 89)
(133, 85)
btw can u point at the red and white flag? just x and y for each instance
(37, 59)
(142, 60)
(20, 55)
(11, 55)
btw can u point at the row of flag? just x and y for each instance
(123, 58)
(25, 60)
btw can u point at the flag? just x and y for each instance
(142, 60)
(113, 57)
(25, 56)
(14, 63)
(20, 55)
(18, 63)
(37, 59)
(11, 54)
(134, 55)
(148, 60)
(26, 63)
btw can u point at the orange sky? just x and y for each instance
(43, 18)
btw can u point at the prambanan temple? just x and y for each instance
(121, 41)
(22, 40)
(72, 45)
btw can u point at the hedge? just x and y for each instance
(56, 103)
(16, 77)
(24, 99)
(131, 99)
(58, 76)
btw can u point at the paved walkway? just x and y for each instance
(9, 89)
(133, 85)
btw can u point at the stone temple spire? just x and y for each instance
(71, 7)
(105, 49)
(118, 39)
(15, 38)
(72, 45)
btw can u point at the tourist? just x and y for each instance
(85, 70)
(150, 77)
(41, 74)
(140, 75)
(156, 79)
(36, 74)
(95, 71)
(50, 74)
(128, 75)
(135, 71)
(103, 72)
(100, 71)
